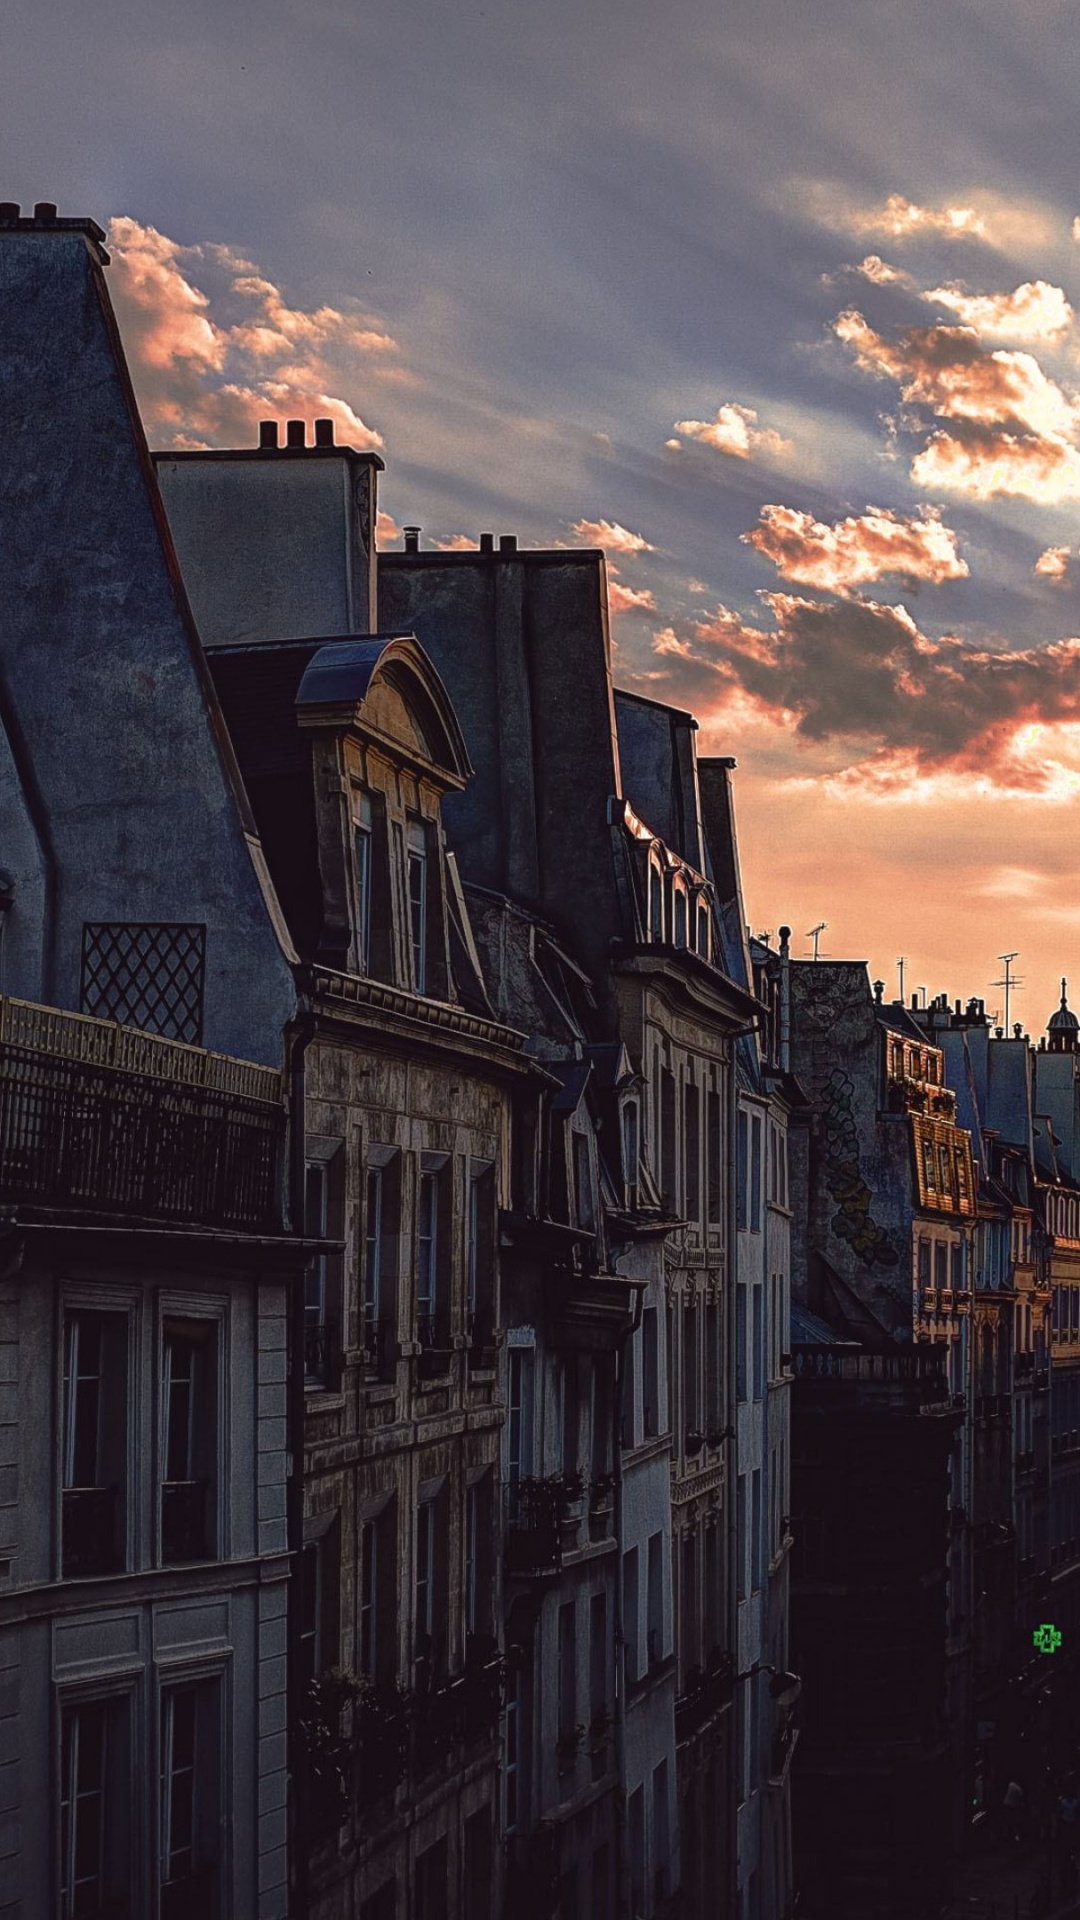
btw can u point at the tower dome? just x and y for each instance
(1063, 1027)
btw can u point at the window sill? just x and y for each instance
(319, 1399)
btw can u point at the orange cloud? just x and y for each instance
(1012, 429)
(1053, 564)
(1034, 311)
(456, 543)
(855, 551)
(624, 599)
(734, 431)
(885, 703)
(386, 528)
(207, 370)
(608, 533)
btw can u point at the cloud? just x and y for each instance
(208, 366)
(608, 533)
(1034, 311)
(734, 432)
(855, 551)
(901, 219)
(386, 528)
(456, 543)
(624, 599)
(880, 274)
(1012, 429)
(1053, 564)
(892, 704)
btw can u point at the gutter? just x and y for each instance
(303, 1033)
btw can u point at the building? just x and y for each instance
(883, 1256)
(145, 1019)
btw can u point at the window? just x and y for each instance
(759, 1342)
(691, 1368)
(517, 1747)
(713, 1151)
(598, 1658)
(712, 1369)
(650, 1372)
(924, 1263)
(363, 852)
(630, 1613)
(656, 902)
(189, 1440)
(667, 1140)
(956, 1262)
(567, 1676)
(755, 1174)
(520, 1416)
(148, 976)
(432, 1275)
(692, 1152)
(660, 1831)
(584, 1197)
(941, 1264)
(191, 1814)
(600, 1884)
(714, 1589)
(703, 930)
(479, 1571)
(630, 1151)
(94, 1507)
(742, 1157)
(689, 1605)
(424, 1598)
(378, 1595)
(480, 1264)
(382, 1227)
(757, 1523)
(740, 1342)
(311, 1661)
(418, 905)
(316, 1328)
(570, 1421)
(95, 1802)
(740, 1528)
(431, 1893)
(637, 1851)
(655, 1599)
(680, 902)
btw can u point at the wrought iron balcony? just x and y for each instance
(89, 1532)
(185, 1534)
(380, 1345)
(101, 1119)
(535, 1511)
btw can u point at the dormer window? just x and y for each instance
(656, 901)
(418, 916)
(364, 857)
(681, 905)
(630, 1151)
(703, 929)
(584, 1198)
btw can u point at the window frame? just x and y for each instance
(213, 1312)
(74, 1300)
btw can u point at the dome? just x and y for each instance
(1064, 1023)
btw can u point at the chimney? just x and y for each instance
(879, 993)
(45, 211)
(508, 543)
(412, 539)
(268, 434)
(296, 433)
(9, 210)
(487, 543)
(324, 433)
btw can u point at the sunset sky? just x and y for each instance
(777, 303)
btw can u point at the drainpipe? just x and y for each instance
(622, 1846)
(302, 1034)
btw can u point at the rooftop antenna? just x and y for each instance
(1010, 982)
(815, 934)
(900, 966)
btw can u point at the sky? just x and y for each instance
(777, 304)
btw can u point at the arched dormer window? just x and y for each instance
(680, 905)
(630, 1151)
(702, 942)
(656, 900)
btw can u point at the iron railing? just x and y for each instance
(916, 1367)
(380, 1345)
(90, 1532)
(707, 1689)
(105, 1119)
(535, 1510)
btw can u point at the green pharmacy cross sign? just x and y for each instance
(1047, 1638)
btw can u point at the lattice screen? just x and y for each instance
(147, 976)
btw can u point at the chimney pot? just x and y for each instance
(45, 210)
(914, 1003)
(9, 210)
(268, 433)
(324, 433)
(508, 543)
(487, 543)
(296, 433)
(412, 539)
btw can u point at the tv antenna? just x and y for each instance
(815, 934)
(900, 970)
(1010, 982)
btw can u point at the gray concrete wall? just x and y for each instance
(111, 721)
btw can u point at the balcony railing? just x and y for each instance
(436, 1355)
(380, 1345)
(707, 1689)
(99, 1118)
(917, 1367)
(482, 1354)
(535, 1511)
(89, 1532)
(185, 1534)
